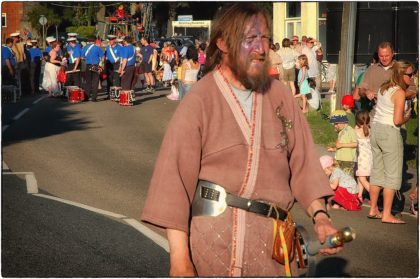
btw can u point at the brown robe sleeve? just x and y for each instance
(308, 181)
(174, 180)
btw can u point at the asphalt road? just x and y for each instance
(102, 155)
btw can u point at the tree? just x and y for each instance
(42, 9)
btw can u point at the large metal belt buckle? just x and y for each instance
(209, 199)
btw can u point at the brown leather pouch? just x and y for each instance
(289, 230)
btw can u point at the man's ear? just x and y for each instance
(220, 43)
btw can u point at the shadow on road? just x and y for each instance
(332, 267)
(45, 238)
(64, 120)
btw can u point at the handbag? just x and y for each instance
(61, 75)
(284, 240)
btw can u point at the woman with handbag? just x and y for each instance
(52, 67)
(386, 141)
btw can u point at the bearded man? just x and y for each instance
(238, 138)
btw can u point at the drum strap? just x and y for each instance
(87, 51)
(113, 54)
(134, 54)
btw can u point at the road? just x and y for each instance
(102, 155)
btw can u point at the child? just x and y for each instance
(364, 152)
(314, 98)
(344, 186)
(303, 81)
(347, 103)
(346, 144)
(174, 96)
(167, 72)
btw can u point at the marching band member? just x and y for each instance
(35, 68)
(93, 54)
(73, 68)
(127, 64)
(112, 62)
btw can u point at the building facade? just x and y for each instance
(300, 18)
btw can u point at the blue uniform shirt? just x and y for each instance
(116, 50)
(92, 53)
(35, 52)
(6, 53)
(129, 52)
(74, 53)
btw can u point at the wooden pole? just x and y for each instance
(346, 56)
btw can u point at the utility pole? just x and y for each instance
(346, 55)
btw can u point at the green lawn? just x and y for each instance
(324, 134)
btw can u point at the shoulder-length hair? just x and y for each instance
(397, 76)
(229, 25)
(305, 60)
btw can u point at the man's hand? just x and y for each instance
(370, 94)
(324, 228)
(181, 264)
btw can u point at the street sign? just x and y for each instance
(43, 20)
(185, 18)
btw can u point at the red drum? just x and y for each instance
(127, 97)
(114, 93)
(76, 95)
(68, 88)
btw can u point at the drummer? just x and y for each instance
(35, 67)
(112, 62)
(73, 68)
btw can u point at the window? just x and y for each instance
(293, 27)
(322, 25)
(292, 9)
(3, 20)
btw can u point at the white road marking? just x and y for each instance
(39, 99)
(84, 206)
(20, 114)
(4, 128)
(5, 166)
(31, 184)
(155, 237)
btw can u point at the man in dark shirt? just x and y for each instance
(146, 64)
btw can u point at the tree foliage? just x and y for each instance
(53, 19)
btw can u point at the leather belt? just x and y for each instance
(249, 205)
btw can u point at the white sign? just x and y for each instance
(185, 18)
(43, 20)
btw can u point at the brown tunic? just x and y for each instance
(374, 77)
(204, 141)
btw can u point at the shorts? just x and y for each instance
(289, 74)
(332, 72)
(146, 67)
(387, 153)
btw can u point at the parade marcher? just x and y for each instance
(8, 63)
(128, 60)
(241, 132)
(20, 57)
(93, 55)
(112, 63)
(35, 68)
(73, 68)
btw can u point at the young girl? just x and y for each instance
(167, 72)
(364, 152)
(344, 186)
(303, 81)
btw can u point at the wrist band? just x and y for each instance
(320, 211)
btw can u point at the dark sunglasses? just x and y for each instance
(294, 40)
(409, 75)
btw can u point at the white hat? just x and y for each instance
(119, 40)
(50, 39)
(34, 41)
(71, 39)
(72, 34)
(28, 43)
(16, 34)
(111, 37)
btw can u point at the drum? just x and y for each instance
(114, 93)
(68, 88)
(127, 97)
(76, 95)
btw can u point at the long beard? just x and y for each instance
(260, 82)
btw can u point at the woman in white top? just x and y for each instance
(190, 69)
(49, 81)
(386, 141)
